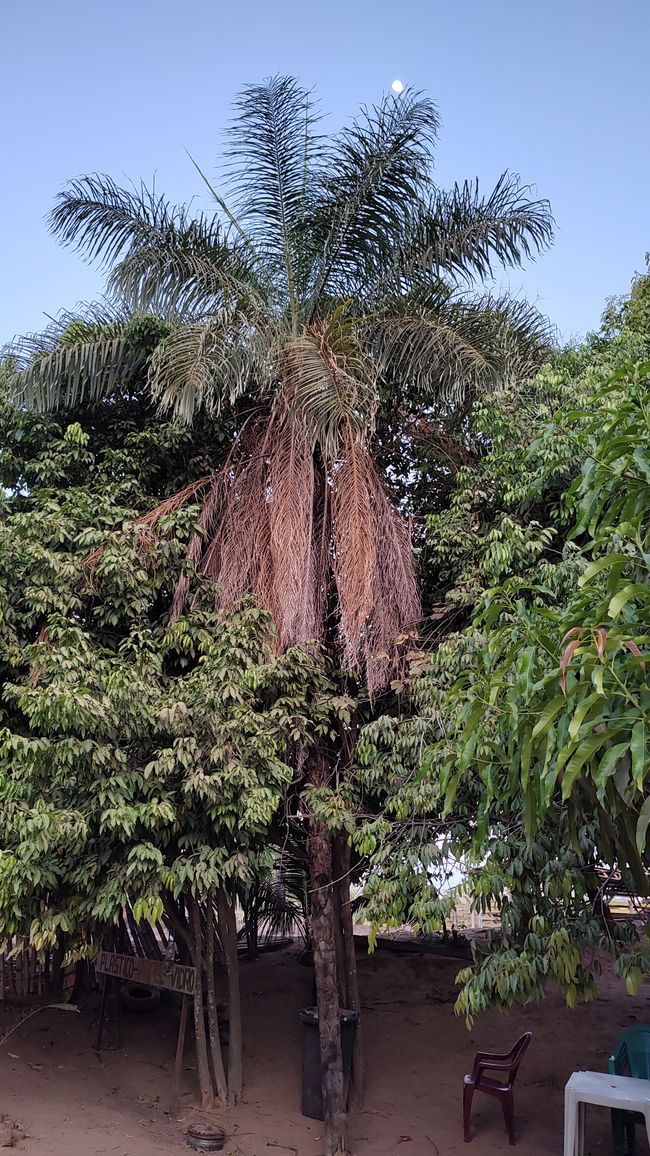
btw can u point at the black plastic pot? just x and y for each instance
(312, 1100)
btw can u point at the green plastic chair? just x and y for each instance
(631, 1058)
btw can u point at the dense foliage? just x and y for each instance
(142, 759)
(527, 756)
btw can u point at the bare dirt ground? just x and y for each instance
(73, 1104)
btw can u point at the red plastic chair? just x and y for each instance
(478, 1082)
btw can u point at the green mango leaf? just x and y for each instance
(530, 814)
(638, 752)
(580, 713)
(643, 823)
(610, 761)
(549, 713)
(603, 563)
(633, 980)
(642, 462)
(632, 590)
(585, 751)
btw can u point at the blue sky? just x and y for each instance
(553, 89)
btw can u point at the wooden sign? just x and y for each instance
(173, 977)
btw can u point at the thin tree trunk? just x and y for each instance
(56, 982)
(337, 924)
(203, 1066)
(322, 927)
(228, 936)
(342, 861)
(218, 1070)
(251, 909)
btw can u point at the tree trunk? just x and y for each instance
(342, 863)
(228, 936)
(323, 940)
(213, 1017)
(203, 1066)
(337, 924)
(57, 967)
(252, 921)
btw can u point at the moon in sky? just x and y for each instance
(397, 87)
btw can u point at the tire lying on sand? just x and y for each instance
(139, 997)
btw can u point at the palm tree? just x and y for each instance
(332, 279)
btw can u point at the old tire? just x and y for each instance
(139, 997)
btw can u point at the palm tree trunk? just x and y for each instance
(213, 1017)
(337, 923)
(342, 863)
(228, 936)
(324, 948)
(205, 1080)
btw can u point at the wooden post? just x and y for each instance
(117, 1012)
(180, 1049)
(102, 1011)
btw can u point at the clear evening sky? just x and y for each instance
(553, 89)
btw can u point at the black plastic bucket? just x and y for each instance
(312, 1099)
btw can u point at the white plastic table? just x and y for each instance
(584, 1088)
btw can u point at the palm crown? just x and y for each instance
(332, 275)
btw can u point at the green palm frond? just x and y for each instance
(458, 346)
(272, 161)
(521, 337)
(378, 168)
(461, 234)
(196, 271)
(202, 364)
(103, 221)
(275, 906)
(160, 257)
(330, 382)
(81, 356)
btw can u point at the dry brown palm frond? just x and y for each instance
(262, 530)
(373, 565)
(396, 611)
(150, 520)
(265, 541)
(245, 512)
(264, 576)
(233, 543)
(279, 524)
(196, 548)
(430, 432)
(354, 531)
(290, 499)
(319, 563)
(175, 501)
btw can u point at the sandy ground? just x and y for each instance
(72, 1103)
